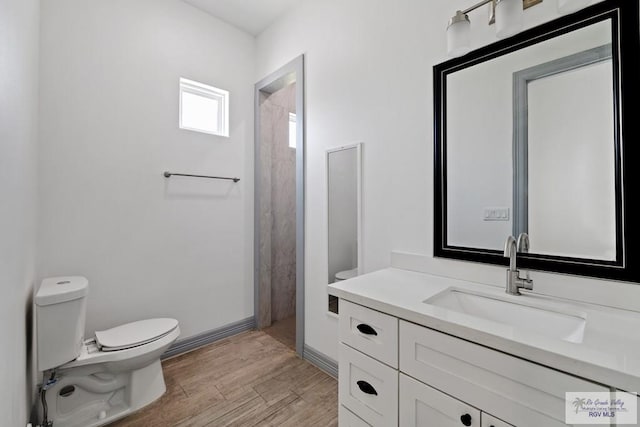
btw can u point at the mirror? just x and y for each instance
(565, 140)
(530, 136)
(343, 204)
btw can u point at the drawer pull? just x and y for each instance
(366, 329)
(466, 419)
(367, 388)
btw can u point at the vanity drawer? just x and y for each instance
(368, 388)
(346, 418)
(369, 331)
(519, 392)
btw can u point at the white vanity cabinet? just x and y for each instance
(371, 332)
(346, 418)
(368, 380)
(518, 391)
(421, 405)
(368, 388)
(394, 372)
(489, 421)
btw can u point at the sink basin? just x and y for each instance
(525, 316)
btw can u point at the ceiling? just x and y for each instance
(251, 16)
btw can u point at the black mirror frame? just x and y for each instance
(626, 62)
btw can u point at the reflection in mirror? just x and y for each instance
(549, 172)
(537, 134)
(343, 199)
(565, 141)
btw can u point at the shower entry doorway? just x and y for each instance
(279, 205)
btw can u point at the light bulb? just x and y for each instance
(459, 35)
(509, 15)
(570, 6)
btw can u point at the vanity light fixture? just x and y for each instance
(506, 14)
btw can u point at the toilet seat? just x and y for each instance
(347, 274)
(134, 334)
(90, 354)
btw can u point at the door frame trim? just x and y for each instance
(285, 75)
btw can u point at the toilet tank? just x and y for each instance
(60, 305)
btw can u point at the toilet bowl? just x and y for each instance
(95, 381)
(346, 274)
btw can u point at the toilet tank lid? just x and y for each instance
(55, 290)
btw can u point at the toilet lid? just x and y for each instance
(134, 334)
(347, 274)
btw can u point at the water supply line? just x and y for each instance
(46, 385)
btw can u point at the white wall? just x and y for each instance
(109, 128)
(369, 77)
(19, 27)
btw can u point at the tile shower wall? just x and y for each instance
(277, 208)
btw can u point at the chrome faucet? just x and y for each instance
(514, 281)
(522, 245)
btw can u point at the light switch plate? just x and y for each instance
(496, 214)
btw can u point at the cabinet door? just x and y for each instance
(491, 421)
(424, 406)
(346, 418)
(522, 393)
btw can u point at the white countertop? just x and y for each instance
(609, 352)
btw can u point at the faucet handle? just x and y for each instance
(508, 245)
(523, 242)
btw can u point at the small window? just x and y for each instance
(204, 108)
(293, 134)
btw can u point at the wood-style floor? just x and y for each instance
(284, 331)
(250, 379)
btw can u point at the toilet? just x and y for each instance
(95, 381)
(346, 274)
